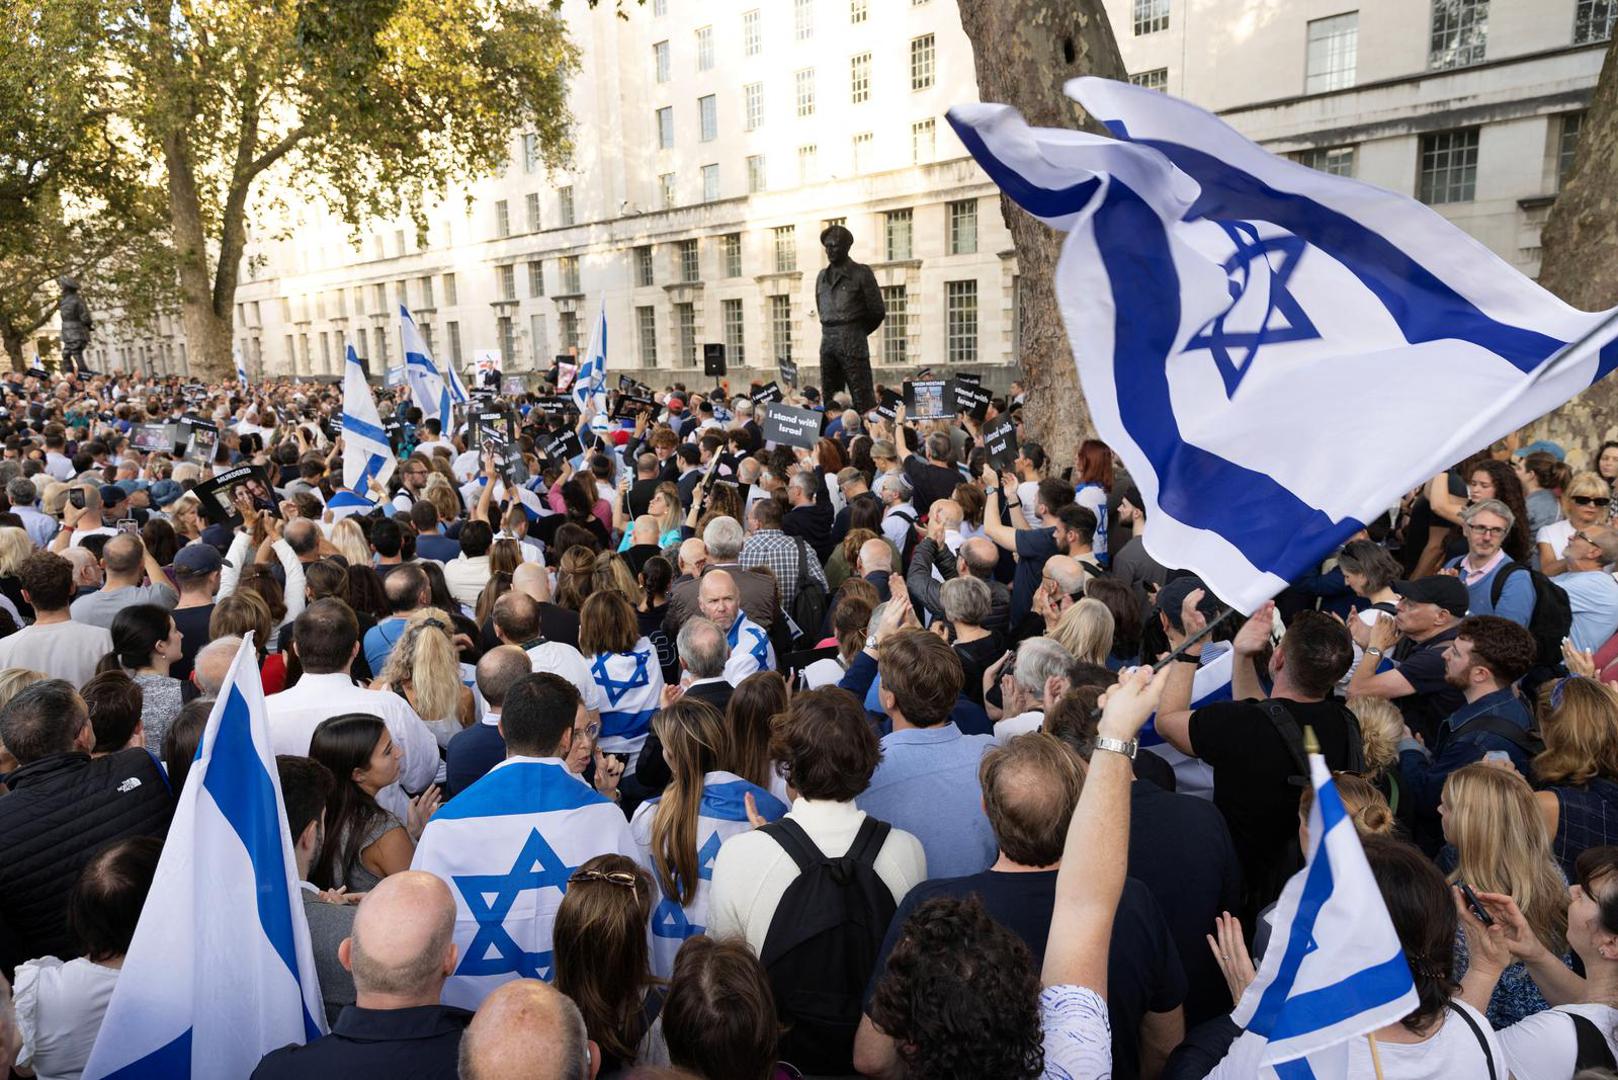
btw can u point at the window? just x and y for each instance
(735, 349)
(646, 324)
(1155, 79)
(786, 248)
(398, 242)
(859, 78)
(533, 211)
(506, 277)
(753, 105)
(379, 298)
(450, 296)
(1335, 160)
(530, 152)
(1449, 166)
(963, 227)
(508, 340)
(730, 254)
(660, 57)
(1333, 50)
(781, 326)
(454, 331)
(755, 173)
(423, 285)
(921, 142)
(643, 266)
(1567, 145)
(1151, 16)
(568, 268)
(685, 324)
(921, 62)
(502, 218)
(858, 10)
(660, 8)
(896, 327)
(961, 321)
(286, 308)
(325, 348)
(665, 190)
(708, 114)
(564, 204)
(806, 92)
(426, 337)
(401, 296)
(704, 48)
(752, 39)
(1460, 33)
(896, 235)
(710, 183)
(689, 261)
(538, 344)
(862, 152)
(665, 128)
(536, 277)
(807, 160)
(570, 329)
(1593, 20)
(803, 19)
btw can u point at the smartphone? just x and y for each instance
(129, 525)
(75, 498)
(1472, 901)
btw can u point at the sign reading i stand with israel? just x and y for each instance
(1334, 969)
(367, 453)
(1240, 322)
(220, 971)
(427, 386)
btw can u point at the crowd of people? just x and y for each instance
(680, 753)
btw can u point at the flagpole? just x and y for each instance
(1376, 1057)
(1195, 639)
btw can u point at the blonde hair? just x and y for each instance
(612, 572)
(349, 540)
(424, 658)
(1584, 483)
(504, 557)
(1365, 806)
(676, 513)
(695, 742)
(1085, 630)
(52, 495)
(1502, 846)
(14, 679)
(14, 548)
(441, 493)
(1579, 722)
(1381, 727)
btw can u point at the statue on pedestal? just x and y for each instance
(76, 324)
(850, 307)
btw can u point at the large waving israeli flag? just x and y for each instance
(367, 453)
(721, 814)
(633, 685)
(1277, 354)
(241, 366)
(1334, 969)
(427, 386)
(506, 847)
(220, 971)
(590, 384)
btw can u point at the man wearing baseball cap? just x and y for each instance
(197, 570)
(1403, 658)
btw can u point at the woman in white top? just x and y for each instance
(1545, 1046)
(1586, 501)
(60, 1004)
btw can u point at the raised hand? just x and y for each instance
(422, 808)
(1230, 951)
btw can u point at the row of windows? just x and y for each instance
(502, 213)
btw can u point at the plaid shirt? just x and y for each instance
(778, 551)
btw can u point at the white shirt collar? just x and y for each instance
(492, 718)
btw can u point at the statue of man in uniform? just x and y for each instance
(850, 307)
(75, 324)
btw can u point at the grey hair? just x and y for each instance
(805, 483)
(21, 492)
(1490, 506)
(724, 536)
(703, 648)
(1039, 659)
(230, 643)
(965, 600)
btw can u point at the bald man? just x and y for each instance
(750, 650)
(976, 557)
(526, 1030)
(555, 623)
(875, 564)
(402, 950)
(693, 557)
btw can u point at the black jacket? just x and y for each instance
(651, 770)
(418, 1043)
(61, 810)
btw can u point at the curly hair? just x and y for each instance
(960, 996)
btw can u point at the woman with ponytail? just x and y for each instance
(679, 832)
(145, 644)
(425, 670)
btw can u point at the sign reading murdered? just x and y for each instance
(789, 425)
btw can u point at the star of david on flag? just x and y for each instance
(537, 867)
(1239, 319)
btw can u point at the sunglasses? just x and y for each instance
(1591, 500)
(613, 877)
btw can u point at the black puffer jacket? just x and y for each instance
(61, 810)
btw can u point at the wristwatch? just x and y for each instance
(1118, 746)
(1372, 650)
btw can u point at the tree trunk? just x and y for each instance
(1580, 262)
(15, 341)
(207, 332)
(1024, 51)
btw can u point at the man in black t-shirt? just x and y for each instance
(1428, 618)
(934, 478)
(1254, 768)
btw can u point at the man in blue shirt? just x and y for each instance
(1591, 590)
(1487, 523)
(407, 589)
(1488, 655)
(477, 749)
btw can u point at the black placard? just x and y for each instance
(629, 407)
(1000, 440)
(394, 428)
(494, 431)
(971, 378)
(888, 407)
(925, 399)
(562, 446)
(202, 439)
(768, 392)
(789, 371)
(151, 438)
(713, 358)
(969, 398)
(789, 425)
(217, 498)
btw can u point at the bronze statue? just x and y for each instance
(75, 324)
(850, 308)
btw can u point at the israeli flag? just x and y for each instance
(427, 386)
(721, 814)
(590, 384)
(344, 502)
(220, 971)
(241, 366)
(506, 847)
(457, 389)
(750, 649)
(1334, 970)
(1211, 683)
(633, 684)
(1238, 320)
(367, 453)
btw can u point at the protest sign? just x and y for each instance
(788, 425)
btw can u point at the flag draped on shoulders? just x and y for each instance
(633, 684)
(427, 385)
(750, 649)
(1239, 319)
(220, 971)
(721, 815)
(506, 847)
(367, 453)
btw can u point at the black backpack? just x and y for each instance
(823, 943)
(1286, 726)
(808, 602)
(1553, 612)
(911, 539)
